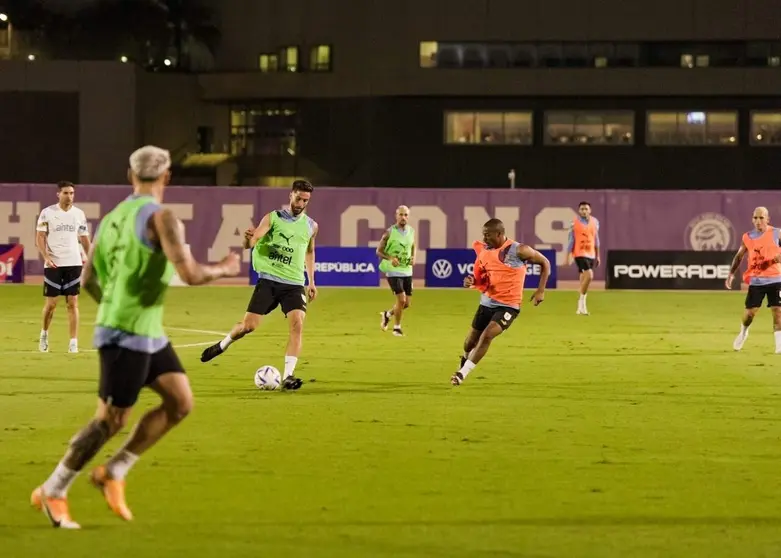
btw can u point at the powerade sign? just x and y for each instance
(447, 268)
(11, 263)
(341, 267)
(674, 270)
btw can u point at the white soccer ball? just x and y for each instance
(268, 378)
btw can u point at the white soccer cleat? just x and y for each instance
(582, 311)
(43, 345)
(739, 341)
(73, 347)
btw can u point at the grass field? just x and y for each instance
(634, 432)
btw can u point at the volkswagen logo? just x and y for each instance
(442, 269)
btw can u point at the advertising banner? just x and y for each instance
(669, 270)
(447, 268)
(216, 217)
(11, 263)
(341, 267)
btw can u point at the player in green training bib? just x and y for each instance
(397, 260)
(283, 249)
(136, 250)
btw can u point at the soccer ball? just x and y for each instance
(267, 377)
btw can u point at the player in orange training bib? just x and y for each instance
(500, 270)
(763, 275)
(583, 246)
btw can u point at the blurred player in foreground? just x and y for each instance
(397, 260)
(583, 246)
(763, 274)
(500, 271)
(61, 234)
(283, 246)
(136, 250)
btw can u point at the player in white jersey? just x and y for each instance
(61, 235)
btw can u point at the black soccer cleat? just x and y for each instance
(292, 383)
(211, 352)
(457, 379)
(384, 320)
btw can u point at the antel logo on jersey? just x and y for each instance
(344, 267)
(672, 271)
(64, 227)
(709, 232)
(442, 269)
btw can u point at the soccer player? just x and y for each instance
(397, 260)
(283, 247)
(137, 247)
(500, 271)
(763, 274)
(60, 235)
(583, 246)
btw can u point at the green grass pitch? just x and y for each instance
(633, 432)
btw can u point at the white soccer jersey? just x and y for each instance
(63, 230)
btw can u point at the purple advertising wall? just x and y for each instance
(215, 217)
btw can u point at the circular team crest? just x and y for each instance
(709, 232)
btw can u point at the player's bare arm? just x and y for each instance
(89, 280)
(310, 264)
(166, 230)
(381, 250)
(85, 243)
(40, 244)
(252, 237)
(413, 254)
(736, 260)
(529, 254)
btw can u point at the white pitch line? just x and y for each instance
(185, 346)
(205, 331)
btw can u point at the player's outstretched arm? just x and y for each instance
(89, 280)
(529, 254)
(251, 237)
(735, 265)
(167, 231)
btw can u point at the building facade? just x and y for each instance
(566, 93)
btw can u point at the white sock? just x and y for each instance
(225, 343)
(74, 341)
(467, 368)
(44, 334)
(57, 485)
(119, 465)
(777, 335)
(744, 331)
(290, 365)
(582, 300)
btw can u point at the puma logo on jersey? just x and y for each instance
(287, 238)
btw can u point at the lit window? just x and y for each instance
(488, 128)
(589, 128)
(264, 129)
(320, 58)
(288, 57)
(766, 128)
(600, 62)
(702, 60)
(774, 61)
(428, 54)
(687, 61)
(692, 128)
(268, 62)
